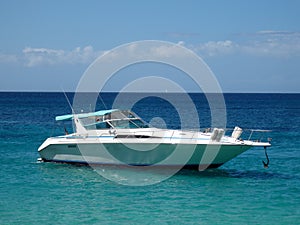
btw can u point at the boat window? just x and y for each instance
(102, 125)
(99, 125)
(140, 123)
(123, 124)
(124, 114)
(99, 118)
(129, 114)
(118, 115)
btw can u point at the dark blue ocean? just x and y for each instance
(241, 191)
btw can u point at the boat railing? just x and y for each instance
(133, 133)
(256, 135)
(260, 134)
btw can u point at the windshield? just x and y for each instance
(124, 119)
(123, 124)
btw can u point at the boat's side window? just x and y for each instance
(98, 119)
(120, 124)
(103, 125)
(139, 124)
(130, 115)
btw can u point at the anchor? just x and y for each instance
(266, 164)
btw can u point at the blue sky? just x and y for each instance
(251, 46)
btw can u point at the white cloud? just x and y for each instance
(44, 56)
(213, 48)
(273, 43)
(8, 58)
(265, 43)
(262, 43)
(182, 43)
(278, 33)
(166, 51)
(146, 50)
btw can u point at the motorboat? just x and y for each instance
(120, 137)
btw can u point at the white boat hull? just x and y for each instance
(187, 155)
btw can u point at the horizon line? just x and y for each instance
(169, 92)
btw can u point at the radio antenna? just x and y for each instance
(99, 96)
(73, 112)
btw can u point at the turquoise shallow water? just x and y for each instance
(239, 192)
